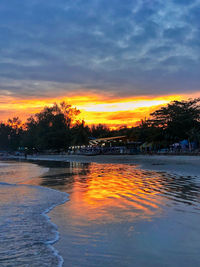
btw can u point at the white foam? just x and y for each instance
(27, 235)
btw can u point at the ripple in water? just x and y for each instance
(122, 216)
(114, 192)
(118, 216)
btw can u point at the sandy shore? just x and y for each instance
(181, 165)
(141, 227)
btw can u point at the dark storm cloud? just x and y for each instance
(131, 47)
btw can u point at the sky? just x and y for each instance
(116, 60)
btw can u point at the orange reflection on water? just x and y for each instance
(113, 192)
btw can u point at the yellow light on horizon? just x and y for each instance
(95, 109)
(125, 106)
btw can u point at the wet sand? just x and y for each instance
(180, 165)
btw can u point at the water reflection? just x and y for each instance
(19, 172)
(114, 192)
(119, 215)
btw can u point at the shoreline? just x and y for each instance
(183, 165)
(178, 165)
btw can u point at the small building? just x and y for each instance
(108, 145)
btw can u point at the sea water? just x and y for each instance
(118, 215)
(26, 233)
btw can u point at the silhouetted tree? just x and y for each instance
(177, 119)
(80, 134)
(56, 127)
(50, 128)
(5, 135)
(10, 134)
(100, 131)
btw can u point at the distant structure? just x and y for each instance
(108, 145)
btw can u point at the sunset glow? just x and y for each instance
(116, 62)
(94, 109)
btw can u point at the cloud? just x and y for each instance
(183, 2)
(133, 47)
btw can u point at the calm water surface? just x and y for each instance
(122, 216)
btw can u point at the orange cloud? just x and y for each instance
(95, 108)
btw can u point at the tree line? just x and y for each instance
(57, 127)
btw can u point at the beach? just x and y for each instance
(26, 233)
(100, 133)
(181, 165)
(123, 210)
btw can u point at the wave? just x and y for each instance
(27, 234)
